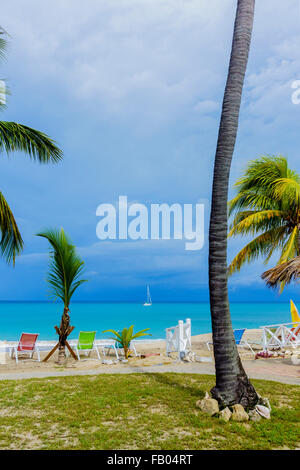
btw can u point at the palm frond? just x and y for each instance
(288, 190)
(239, 216)
(260, 246)
(4, 92)
(36, 144)
(252, 199)
(11, 243)
(289, 250)
(3, 88)
(127, 335)
(65, 266)
(141, 333)
(263, 171)
(283, 273)
(3, 43)
(278, 243)
(256, 188)
(256, 221)
(118, 336)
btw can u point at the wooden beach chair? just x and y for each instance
(238, 335)
(27, 345)
(86, 343)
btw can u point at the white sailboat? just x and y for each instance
(148, 302)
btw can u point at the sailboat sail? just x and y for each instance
(295, 314)
(148, 301)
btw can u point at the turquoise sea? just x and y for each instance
(39, 317)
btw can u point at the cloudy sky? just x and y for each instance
(132, 91)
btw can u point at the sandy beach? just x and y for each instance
(155, 357)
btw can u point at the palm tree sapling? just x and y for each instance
(125, 337)
(64, 278)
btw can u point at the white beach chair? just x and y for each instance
(178, 338)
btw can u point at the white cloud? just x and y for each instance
(129, 58)
(155, 60)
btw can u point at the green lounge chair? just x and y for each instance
(86, 343)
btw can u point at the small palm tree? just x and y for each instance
(267, 206)
(18, 137)
(64, 272)
(125, 337)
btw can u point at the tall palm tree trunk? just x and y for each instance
(232, 383)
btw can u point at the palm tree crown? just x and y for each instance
(65, 266)
(267, 206)
(36, 144)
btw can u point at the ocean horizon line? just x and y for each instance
(141, 302)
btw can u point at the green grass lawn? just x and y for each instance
(148, 411)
